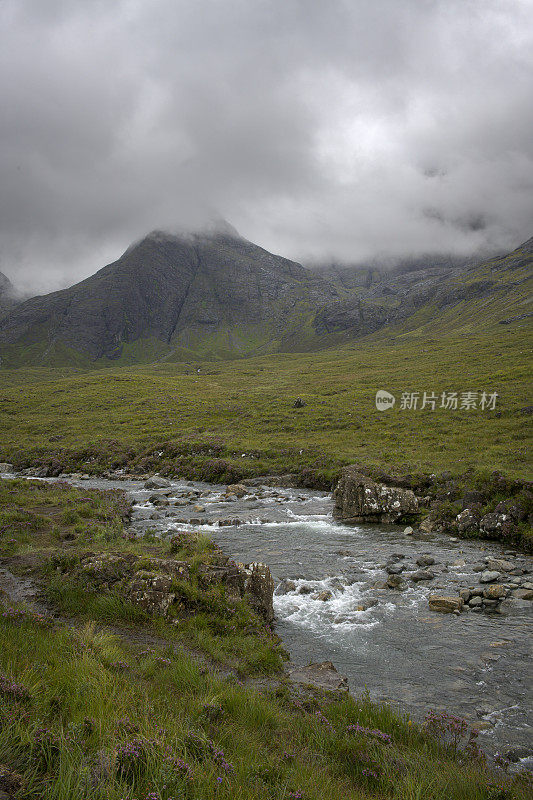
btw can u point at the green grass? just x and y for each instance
(95, 722)
(236, 418)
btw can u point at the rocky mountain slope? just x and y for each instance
(7, 294)
(443, 292)
(215, 295)
(209, 295)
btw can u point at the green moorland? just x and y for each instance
(227, 420)
(100, 701)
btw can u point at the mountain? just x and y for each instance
(7, 294)
(212, 294)
(436, 292)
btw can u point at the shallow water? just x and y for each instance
(475, 665)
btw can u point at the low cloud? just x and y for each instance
(341, 130)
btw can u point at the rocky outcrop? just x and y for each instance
(155, 584)
(360, 499)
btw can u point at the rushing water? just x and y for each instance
(475, 665)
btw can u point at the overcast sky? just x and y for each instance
(321, 129)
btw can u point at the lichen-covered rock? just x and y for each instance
(495, 592)
(360, 499)
(445, 604)
(467, 521)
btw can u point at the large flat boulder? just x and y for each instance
(360, 499)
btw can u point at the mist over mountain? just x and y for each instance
(8, 295)
(213, 294)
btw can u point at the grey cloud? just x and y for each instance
(339, 130)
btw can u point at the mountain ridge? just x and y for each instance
(213, 294)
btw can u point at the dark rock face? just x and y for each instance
(360, 499)
(7, 294)
(177, 290)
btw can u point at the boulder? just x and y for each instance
(395, 582)
(324, 596)
(427, 525)
(467, 521)
(491, 524)
(157, 482)
(408, 531)
(499, 564)
(421, 575)
(445, 604)
(475, 602)
(495, 592)
(360, 499)
(237, 489)
(322, 676)
(5, 467)
(425, 561)
(489, 576)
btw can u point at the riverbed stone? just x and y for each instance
(425, 561)
(285, 586)
(396, 582)
(466, 594)
(523, 594)
(157, 482)
(499, 564)
(408, 531)
(394, 569)
(237, 489)
(422, 575)
(488, 576)
(444, 603)
(323, 596)
(360, 499)
(495, 592)
(475, 602)
(512, 606)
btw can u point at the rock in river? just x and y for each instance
(445, 604)
(157, 482)
(360, 499)
(489, 576)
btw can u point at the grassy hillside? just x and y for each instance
(201, 418)
(99, 700)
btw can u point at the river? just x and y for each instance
(475, 665)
